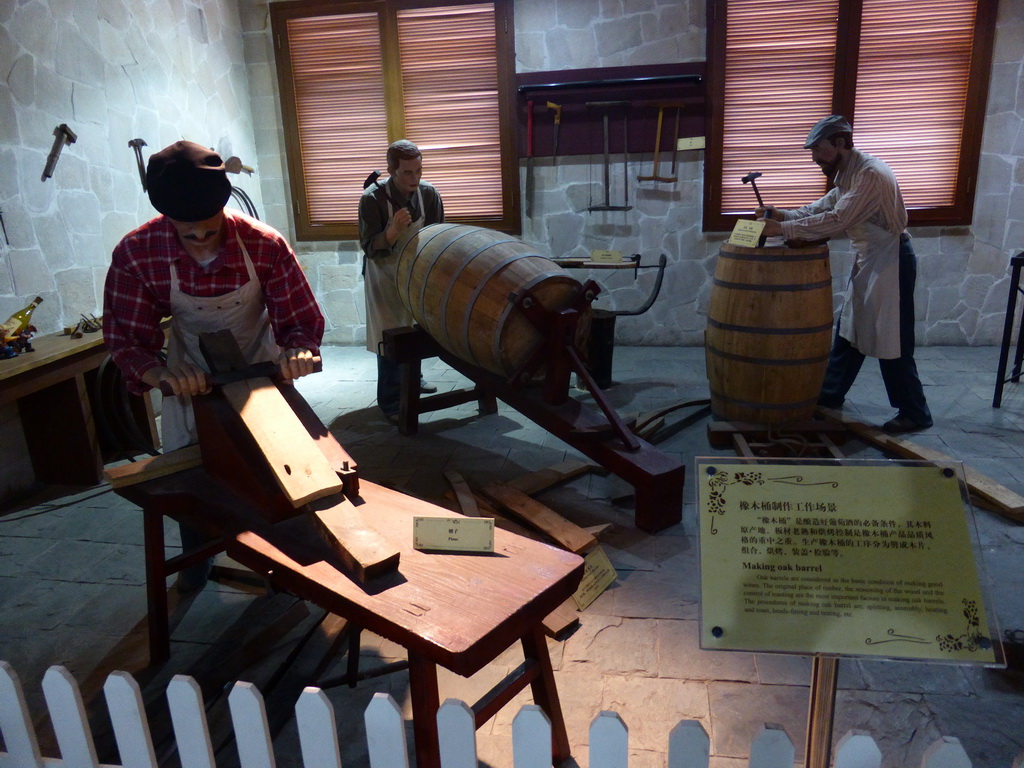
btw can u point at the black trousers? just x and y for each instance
(902, 384)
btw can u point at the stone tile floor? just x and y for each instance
(72, 584)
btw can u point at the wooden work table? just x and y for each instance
(50, 387)
(454, 609)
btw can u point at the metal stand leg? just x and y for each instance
(1004, 350)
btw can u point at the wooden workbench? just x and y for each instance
(51, 388)
(457, 610)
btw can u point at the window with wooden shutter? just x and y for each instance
(355, 76)
(912, 77)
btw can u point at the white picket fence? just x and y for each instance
(318, 735)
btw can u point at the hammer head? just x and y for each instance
(749, 178)
(371, 179)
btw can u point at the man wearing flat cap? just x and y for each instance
(877, 319)
(207, 268)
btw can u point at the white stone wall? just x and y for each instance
(962, 282)
(112, 70)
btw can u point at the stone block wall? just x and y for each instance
(963, 271)
(112, 71)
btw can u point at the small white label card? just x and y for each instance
(690, 142)
(746, 233)
(606, 257)
(598, 575)
(453, 534)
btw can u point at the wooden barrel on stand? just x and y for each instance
(456, 281)
(769, 333)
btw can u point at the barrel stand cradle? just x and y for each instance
(1016, 263)
(656, 477)
(601, 344)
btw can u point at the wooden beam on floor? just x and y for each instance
(566, 534)
(534, 482)
(986, 491)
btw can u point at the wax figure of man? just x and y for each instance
(387, 212)
(208, 269)
(877, 319)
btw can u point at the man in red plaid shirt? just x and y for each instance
(208, 269)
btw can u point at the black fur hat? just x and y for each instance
(187, 182)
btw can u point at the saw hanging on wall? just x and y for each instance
(606, 107)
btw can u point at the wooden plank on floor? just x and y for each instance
(562, 620)
(993, 495)
(463, 493)
(534, 482)
(565, 533)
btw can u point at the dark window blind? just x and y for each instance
(912, 76)
(356, 76)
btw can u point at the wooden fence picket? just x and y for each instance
(531, 738)
(456, 735)
(688, 743)
(772, 748)
(385, 733)
(70, 725)
(128, 717)
(188, 718)
(318, 730)
(857, 749)
(15, 722)
(947, 752)
(249, 719)
(609, 741)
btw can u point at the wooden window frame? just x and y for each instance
(959, 213)
(347, 229)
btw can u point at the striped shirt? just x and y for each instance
(865, 191)
(136, 296)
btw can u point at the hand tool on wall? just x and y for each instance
(528, 204)
(61, 135)
(606, 107)
(555, 126)
(656, 176)
(749, 179)
(137, 145)
(235, 165)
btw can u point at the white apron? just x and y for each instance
(384, 308)
(242, 311)
(870, 318)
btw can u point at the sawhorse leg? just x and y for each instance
(156, 587)
(545, 694)
(536, 671)
(408, 347)
(425, 703)
(1004, 349)
(158, 568)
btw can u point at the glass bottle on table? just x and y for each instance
(19, 321)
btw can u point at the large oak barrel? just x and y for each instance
(456, 280)
(769, 333)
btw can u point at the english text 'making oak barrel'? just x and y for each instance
(769, 333)
(456, 280)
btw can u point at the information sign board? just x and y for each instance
(868, 558)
